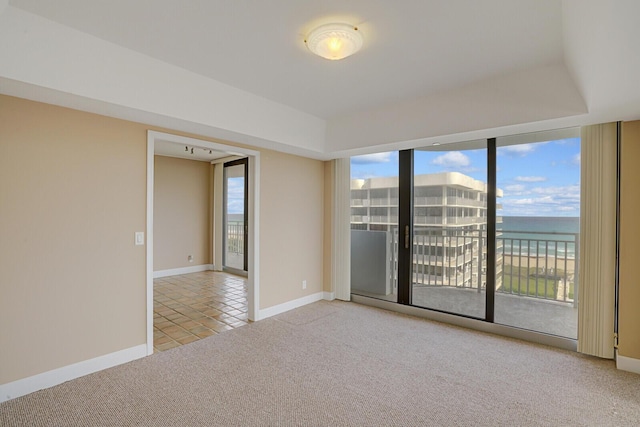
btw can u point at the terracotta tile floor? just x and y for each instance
(192, 306)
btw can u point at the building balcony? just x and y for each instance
(536, 277)
(383, 219)
(440, 220)
(449, 201)
(392, 201)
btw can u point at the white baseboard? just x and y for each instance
(183, 270)
(329, 296)
(289, 305)
(628, 364)
(48, 379)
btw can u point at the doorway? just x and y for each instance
(252, 193)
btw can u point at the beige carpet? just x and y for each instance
(343, 364)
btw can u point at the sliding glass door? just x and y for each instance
(537, 279)
(235, 194)
(485, 229)
(450, 228)
(374, 225)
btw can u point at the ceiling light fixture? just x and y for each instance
(334, 41)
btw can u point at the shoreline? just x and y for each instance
(539, 261)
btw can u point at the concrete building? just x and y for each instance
(449, 243)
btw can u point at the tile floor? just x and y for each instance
(193, 306)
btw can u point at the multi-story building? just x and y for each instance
(450, 220)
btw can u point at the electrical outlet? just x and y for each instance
(190, 258)
(304, 284)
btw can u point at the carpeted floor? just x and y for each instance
(340, 364)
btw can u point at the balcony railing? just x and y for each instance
(384, 219)
(391, 201)
(235, 238)
(450, 201)
(540, 265)
(451, 220)
(529, 264)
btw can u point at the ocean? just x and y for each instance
(536, 235)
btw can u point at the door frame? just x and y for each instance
(238, 162)
(253, 221)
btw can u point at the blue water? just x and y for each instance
(535, 235)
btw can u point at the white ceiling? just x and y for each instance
(429, 71)
(411, 48)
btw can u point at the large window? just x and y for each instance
(374, 225)
(449, 228)
(485, 229)
(536, 286)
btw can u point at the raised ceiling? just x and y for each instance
(411, 49)
(428, 68)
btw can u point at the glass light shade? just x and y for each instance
(334, 41)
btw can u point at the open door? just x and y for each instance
(235, 193)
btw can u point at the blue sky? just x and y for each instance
(539, 179)
(235, 195)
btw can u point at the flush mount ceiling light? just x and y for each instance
(334, 41)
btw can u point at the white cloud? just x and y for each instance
(372, 158)
(519, 202)
(530, 178)
(576, 159)
(452, 159)
(550, 201)
(235, 195)
(515, 187)
(520, 150)
(569, 192)
(544, 200)
(567, 141)
(235, 206)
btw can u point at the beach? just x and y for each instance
(567, 264)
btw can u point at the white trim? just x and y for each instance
(628, 364)
(328, 296)
(66, 373)
(218, 206)
(253, 257)
(253, 285)
(149, 274)
(290, 305)
(183, 270)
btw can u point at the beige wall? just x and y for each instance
(629, 307)
(72, 194)
(291, 236)
(181, 213)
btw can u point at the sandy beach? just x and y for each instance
(539, 262)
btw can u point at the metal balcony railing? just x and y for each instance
(451, 220)
(529, 264)
(540, 265)
(235, 238)
(450, 201)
